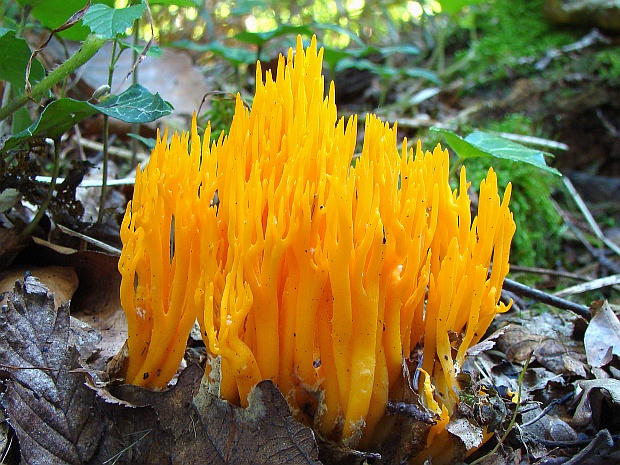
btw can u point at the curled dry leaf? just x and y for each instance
(470, 434)
(46, 401)
(602, 337)
(599, 402)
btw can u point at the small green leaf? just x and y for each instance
(384, 70)
(135, 105)
(56, 118)
(482, 144)
(503, 148)
(355, 63)
(111, 22)
(235, 55)
(461, 147)
(421, 73)
(149, 142)
(260, 38)
(14, 56)
(405, 49)
(332, 56)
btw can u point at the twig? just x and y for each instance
(90, 240)
(540, 296)
(588, 216)
(597, 253)
(548, 408)
(603, 439)
(593, 37)
(531, 140)
(573, 444)
(114, 151)
(90, 182)
(590, 285)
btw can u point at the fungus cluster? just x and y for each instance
(306, 268)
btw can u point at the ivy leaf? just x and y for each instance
(135, 105)
(111, 22)
(55, 119)
(14, 56)
(482, 144)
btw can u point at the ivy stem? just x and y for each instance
(455, 168)
(90, 46)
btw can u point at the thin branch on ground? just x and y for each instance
(540, 296)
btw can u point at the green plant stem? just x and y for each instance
(437, 59)
(90, 46)
(23, 21)
(50, 192)
(455, 168)
(106, 135)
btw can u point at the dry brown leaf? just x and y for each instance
(188, 425)
(96, 300)
(46, 401)
(557, 358)
(62, 281)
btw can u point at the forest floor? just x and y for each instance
(564, 364)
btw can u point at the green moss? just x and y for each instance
(219, 114)
(511, 31)
(607, 66)
(537, 240)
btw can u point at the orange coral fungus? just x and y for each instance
(309, 270)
